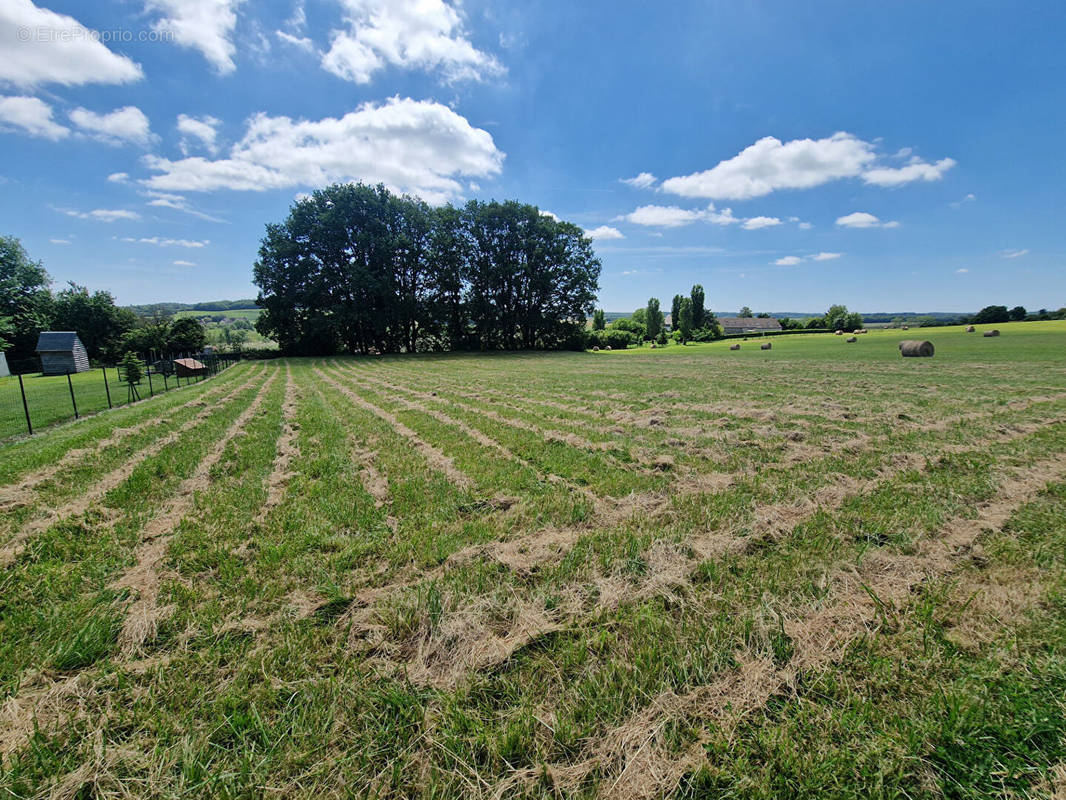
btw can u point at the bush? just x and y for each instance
(615, 339)
(260, 353)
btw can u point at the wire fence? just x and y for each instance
(32, 401)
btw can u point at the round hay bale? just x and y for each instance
(654, 345)
(734, 347)
(970, 328)
(852, 339)
(840, 333)
(766, 345)
(607, 347)
(904, 327)
(914, 348)
(595, 348)
(993, 332)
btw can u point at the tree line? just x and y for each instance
(28, 306)
(360, 269)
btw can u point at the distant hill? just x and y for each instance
(170, 309)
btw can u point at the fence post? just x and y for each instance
(73, 402)
(25, 405)
(106, 387)
(148, 369)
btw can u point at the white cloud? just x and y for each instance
(30, 115)
(788, 261)
(663, 216)
(204, 129)
(423, 35)
(204, 25)
(970, 198)
(916, 170)
(825, 256)
(119, 177)
(862, 219)
(644, 180)
(1013, 253)
(101, 214)
(181, 263)
(604, 232)
(549, 215)
(770, 165)
(178, 203)
(804, 226)
(754, 223)
(410, 146)
(123, 125)
(58, 49)
(791, 261)
(961, 271)
(59, 241)
(302, 42)
(162, 242)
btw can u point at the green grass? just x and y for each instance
(468, 575)
(49, 401)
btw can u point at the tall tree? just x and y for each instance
(1017, 313)
(684, 316)
(25, 297)
(599, 320)
(100, 324)
(744, 312)
(675, 311)
(186, 335)
(699, 312)
(653, 319)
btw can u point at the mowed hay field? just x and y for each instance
(820, 570)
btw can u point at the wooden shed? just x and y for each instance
(62, 352)
(4, 371)
(188, 367)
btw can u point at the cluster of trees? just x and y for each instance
(996, 314)
(690, 321)
(357, 268)
(28, 306)
(170, 309)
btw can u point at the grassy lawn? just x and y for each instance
(818, 571)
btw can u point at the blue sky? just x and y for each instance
(890, 156)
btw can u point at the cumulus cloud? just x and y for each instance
(164, 242)
(301, 42)
(423, 35)
(804, 226)
(791, 261)
(126, 125)
(549, 215)
(201, 129)
(862, 219)
(754, 223)
(101, 214)
(119, 177)
(663, 216)
(412, 146)
(644, 180)
(604, 232)
(203, 25)
(178, 203)
(30, 115)
(59, 50)
(961, 271)
(1013, 253)
(916, 170)
(770, 165)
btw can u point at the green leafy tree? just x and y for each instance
(684, 318)
(991, 314)
(25, 297)
(699, 311)
(654, 319)
(7, 331)
(631, 325)
(599, 320)
(744, 313)
(186, 335)
(836, 318)
(675, 310)
(1018, 313)
(100, 324)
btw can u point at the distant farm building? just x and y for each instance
(61, 353)
(4, 371)
(749, 324)
(188, 367)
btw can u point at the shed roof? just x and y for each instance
(189, 363)
(57, 341)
